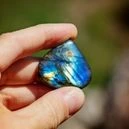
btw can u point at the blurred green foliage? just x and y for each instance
(95, 39)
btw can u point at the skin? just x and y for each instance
(25, 103)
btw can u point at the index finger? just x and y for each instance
(15, 45)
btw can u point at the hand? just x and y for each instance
(25, 104)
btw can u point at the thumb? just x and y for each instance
(55, 107)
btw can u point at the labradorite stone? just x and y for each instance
(64, 65)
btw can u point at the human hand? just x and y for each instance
(25, 104)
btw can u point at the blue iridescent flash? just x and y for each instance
(64, 66)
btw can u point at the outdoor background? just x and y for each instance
(103, 27)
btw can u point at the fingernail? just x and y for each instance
(74, 98)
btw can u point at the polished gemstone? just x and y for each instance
(64, 65)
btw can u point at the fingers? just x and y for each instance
(23, 71)
(54, 107)
(21, 43)
(18, 97)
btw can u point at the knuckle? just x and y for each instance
(5, 99)
(58, 112)
(13, 39)
(9, 49)
(53, 114)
